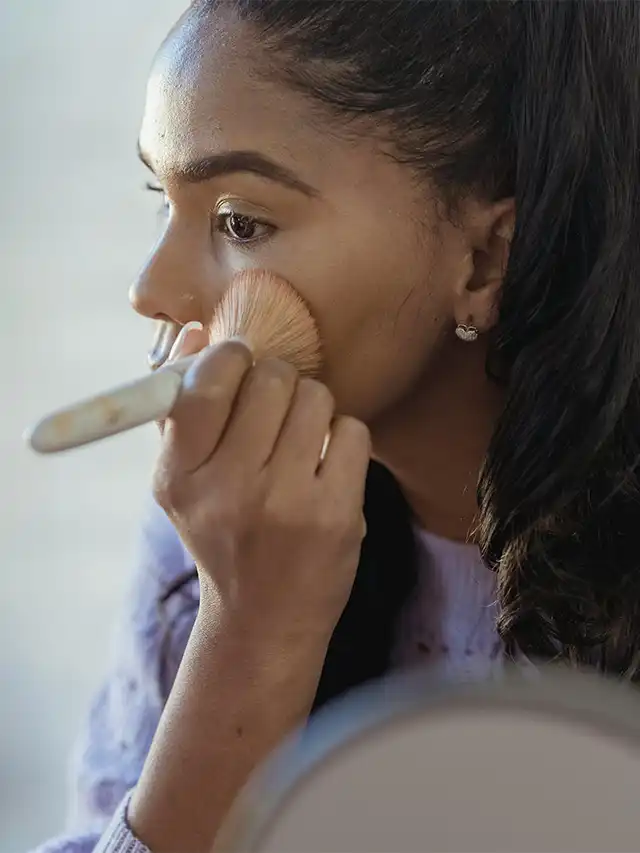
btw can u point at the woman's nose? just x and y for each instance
(164, 288)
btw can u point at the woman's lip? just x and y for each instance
(165, 337)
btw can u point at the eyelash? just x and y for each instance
(221, 220)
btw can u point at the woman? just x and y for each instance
(454, 189)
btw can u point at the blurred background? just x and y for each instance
(75, 226)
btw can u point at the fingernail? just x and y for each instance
(245, 343)
(165, 336)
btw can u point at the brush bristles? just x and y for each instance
(268, 313)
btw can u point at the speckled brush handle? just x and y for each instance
(148, 399)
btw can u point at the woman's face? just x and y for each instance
(254, 177)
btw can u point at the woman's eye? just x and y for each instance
(240, 228)
(164, 203)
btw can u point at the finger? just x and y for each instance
(300, 443)
(190, 340)
(261, 409)
(346, 461)
(166, 333)
(207, 398)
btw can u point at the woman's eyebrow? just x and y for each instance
(229, 162)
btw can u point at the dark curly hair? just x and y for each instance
(539, 100)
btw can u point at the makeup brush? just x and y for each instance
(260, 307)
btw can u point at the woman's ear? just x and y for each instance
(489, 231)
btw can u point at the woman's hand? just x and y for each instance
(276, 533)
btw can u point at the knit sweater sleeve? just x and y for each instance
(112, 747)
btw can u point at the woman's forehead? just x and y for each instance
(208, 94)
(205, 93)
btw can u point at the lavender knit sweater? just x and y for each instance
(448, 626)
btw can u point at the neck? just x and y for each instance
(435, 441)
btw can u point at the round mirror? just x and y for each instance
(538, 763)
